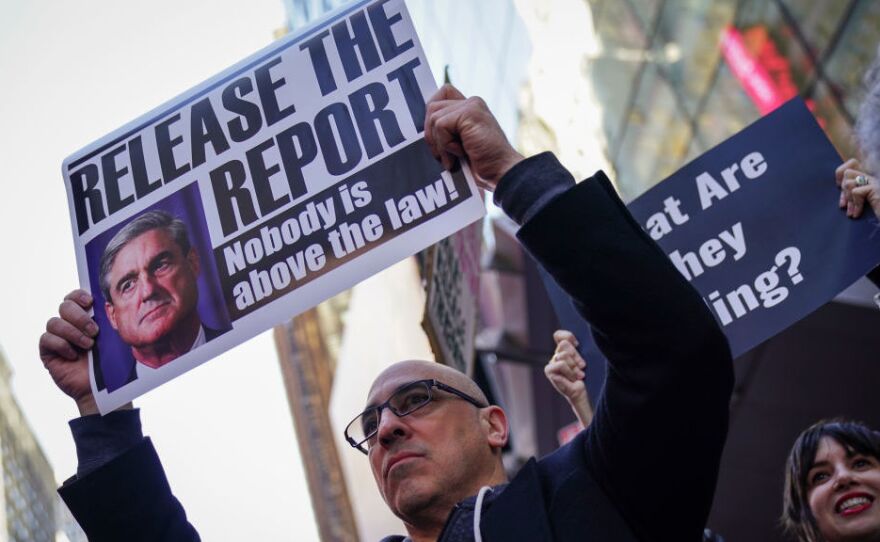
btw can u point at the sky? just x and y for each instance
(71, 72)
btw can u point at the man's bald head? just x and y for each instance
(404, 372)
(441, 452)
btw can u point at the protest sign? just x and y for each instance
(272, 186)
(754, 225)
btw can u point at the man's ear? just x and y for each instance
(192, 258)
(111, 314)
(495, 424)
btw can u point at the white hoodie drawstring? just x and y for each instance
(478, 510)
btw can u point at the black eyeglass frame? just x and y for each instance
(429, 383)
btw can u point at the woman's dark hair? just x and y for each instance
(854, 437)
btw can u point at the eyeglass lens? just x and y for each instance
(403, 402)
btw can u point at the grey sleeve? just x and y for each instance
(530, 185)
(100, 439)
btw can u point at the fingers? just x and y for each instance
(457, 127)
(73, 313)
(857, 205)
(566, 360)
(65, 330)
(564, 335)
(446, 97)
(839, 173)
(52, 346)
(447, 120)
(846, 187)
(567, 351)
(442, 130)
(80, 297)
(446, 92)
(563, 368)
(853, 194)
(73, 329)
(566, 348)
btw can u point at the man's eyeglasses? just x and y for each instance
(403, 402)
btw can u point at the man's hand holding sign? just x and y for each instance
(451, 119)
(64, 349)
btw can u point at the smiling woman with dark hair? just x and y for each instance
(832, 482)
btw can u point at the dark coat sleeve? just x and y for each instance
(128, 499)
(655, 443)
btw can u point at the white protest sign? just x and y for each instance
(252, 197)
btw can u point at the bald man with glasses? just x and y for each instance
(644, 470)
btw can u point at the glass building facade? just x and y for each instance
(484, 45)
(28, 485)
(302, 12)
(671, 89)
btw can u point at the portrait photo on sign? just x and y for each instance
(155, 286)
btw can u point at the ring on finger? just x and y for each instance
(861, 180)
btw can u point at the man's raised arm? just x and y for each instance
(656, 439)
(119, 491)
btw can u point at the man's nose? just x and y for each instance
(147, 286)
(391, 427)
